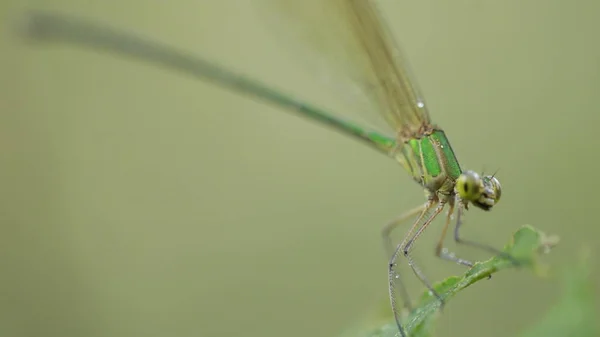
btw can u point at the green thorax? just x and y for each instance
(430, 161)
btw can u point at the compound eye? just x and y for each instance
(493, 185)
(469, 186)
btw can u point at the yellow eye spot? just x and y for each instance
(469, 186)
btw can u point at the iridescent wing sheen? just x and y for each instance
(352, 38)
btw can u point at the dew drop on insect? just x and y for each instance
(420, 104)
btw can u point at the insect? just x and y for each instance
(416, 143)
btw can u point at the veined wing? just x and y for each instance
(353, 38)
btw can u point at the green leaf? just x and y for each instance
(525, 246)
(575, 313)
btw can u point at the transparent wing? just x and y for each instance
(350, 37)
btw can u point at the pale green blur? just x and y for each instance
(137, 202)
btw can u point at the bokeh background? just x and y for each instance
(139, 202)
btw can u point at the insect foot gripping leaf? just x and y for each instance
(525, 246)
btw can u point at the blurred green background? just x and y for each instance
(138, 202)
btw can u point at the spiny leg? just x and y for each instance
(408, 244)
(393, 276)
(441, 251)
(389, 250)
(483, 246)
(387, 230)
